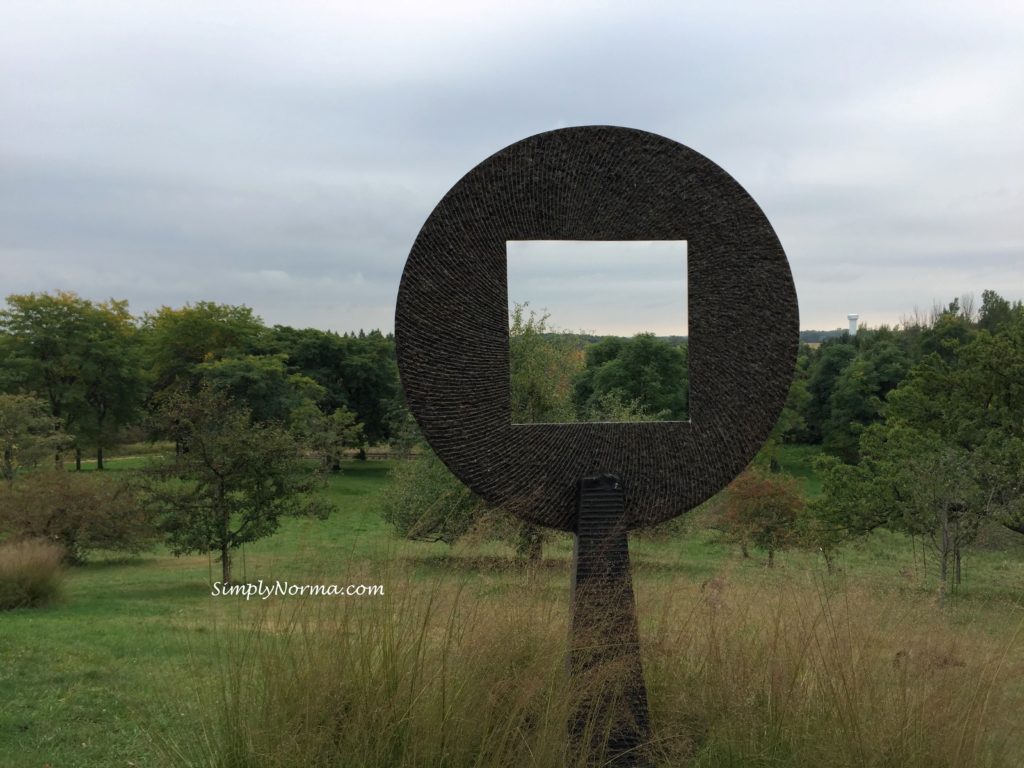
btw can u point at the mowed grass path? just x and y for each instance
(95, 680)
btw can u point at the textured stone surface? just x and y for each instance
(604, 641)
(596, 183)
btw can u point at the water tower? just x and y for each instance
(853, 323)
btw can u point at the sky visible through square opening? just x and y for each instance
(592, 291)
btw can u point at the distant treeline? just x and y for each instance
(101, 369)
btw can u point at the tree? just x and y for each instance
(425, 502)
(233, 479)
(827, 364)
(970, 399)
(177, 341)
(357, 372)
(262, 383)
(28, 434)
(761, 509)
(41, 332)
(907, 480)
(859, 392)
(110, 375)
(327, 435)
(644, 369)
(81, 356)
(541, 368)
(82, 512)
(996, 312)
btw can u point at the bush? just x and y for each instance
(30, 573)
(80, 512)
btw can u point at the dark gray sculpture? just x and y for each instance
(451, 328)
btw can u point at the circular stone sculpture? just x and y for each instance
(596, 183)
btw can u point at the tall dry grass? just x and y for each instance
(737, 676)
(30, 573)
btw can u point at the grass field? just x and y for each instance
(115, 674)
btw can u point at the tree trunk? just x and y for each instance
(943, 570)
(225, 563)
(78, 459)
(99, 457)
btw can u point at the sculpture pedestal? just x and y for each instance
(609, 721)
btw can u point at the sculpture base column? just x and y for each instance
(609, 721)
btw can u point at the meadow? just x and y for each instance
(460, 662)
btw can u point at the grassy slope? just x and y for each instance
(92, 681)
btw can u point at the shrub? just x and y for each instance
(80, 512)
(761, 508)
(30, 573)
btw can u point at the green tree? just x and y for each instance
(907, 480)
(41, 349)
(233, 479)
(110, 376)
(645, 370)
(28, 434)
(971, 400)
(177, 341)
(262, 383)
(327, 435)
(82, 356)
(425, 502)
(859, 392)
(996, 312)
(541, 368)
(357, 372)
(827, 364)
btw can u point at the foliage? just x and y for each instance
(327, 435)
(232, 479)
(28, 434)
(831, 359)
(82, 356)
(177, 341)
(426, 502)
(859, 391)
(761, 509)
(907, 480)
(30, 573)
(357, 372)
(542, 369)
(262, 383)
(643, 370)
(81, 512)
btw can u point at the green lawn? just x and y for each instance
(96, 680)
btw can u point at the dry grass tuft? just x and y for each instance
(737, 676)
(30, 573)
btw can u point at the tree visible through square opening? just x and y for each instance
(597, 330)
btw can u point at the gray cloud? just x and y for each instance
(285, 155)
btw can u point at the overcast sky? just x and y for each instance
(285, 155)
